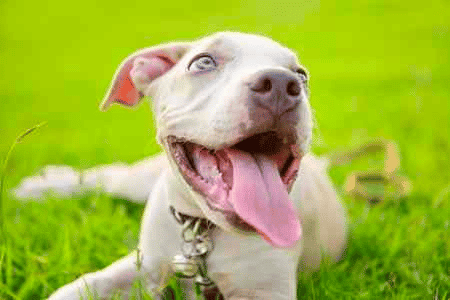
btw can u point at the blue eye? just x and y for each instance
(202, 63)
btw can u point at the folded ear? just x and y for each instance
(138, 70)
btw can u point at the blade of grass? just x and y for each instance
(3, 174)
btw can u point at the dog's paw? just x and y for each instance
(61, 181)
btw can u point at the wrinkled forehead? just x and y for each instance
(245, 47)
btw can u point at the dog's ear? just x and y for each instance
(138, 70)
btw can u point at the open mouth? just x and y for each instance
(248, 182)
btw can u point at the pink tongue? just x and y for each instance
(260, 198)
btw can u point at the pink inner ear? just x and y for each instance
(123, 90)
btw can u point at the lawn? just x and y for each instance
(378, 69)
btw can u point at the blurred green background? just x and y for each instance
(378, 69)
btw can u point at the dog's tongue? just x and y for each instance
(261, 199)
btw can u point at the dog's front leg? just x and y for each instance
(118, 278)
(132, 182)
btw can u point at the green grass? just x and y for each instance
(378, 69)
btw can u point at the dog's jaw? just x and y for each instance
(240, 182)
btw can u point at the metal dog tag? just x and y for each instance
(184, 267)
(195, 248)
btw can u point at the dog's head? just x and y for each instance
(233, 115)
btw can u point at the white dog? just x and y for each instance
(233, 117)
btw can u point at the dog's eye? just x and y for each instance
(203, 62)
(302, 74)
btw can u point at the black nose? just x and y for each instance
(276, 90)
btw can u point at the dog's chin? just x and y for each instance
(213, 172)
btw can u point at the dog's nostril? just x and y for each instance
(293, 88)
(262, 86)
(267, 85)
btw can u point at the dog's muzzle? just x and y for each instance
(247, 182)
